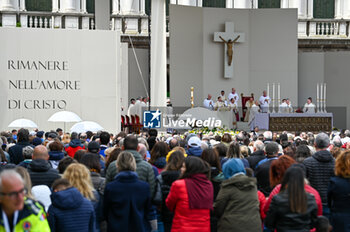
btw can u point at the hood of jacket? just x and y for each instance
(196, 151)
(160, 162)
(137, 156)
(242, 182)
(126, 176)
(69, 198)
(323, 156)
(39, 165)
(75, 143)
(56, 155)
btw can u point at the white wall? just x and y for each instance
(92, 61)
(269, 53)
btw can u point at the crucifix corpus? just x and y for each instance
(229, 38)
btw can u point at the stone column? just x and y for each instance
(242, 4)
(310, 9)
(187, 2)
(69, 6)
(54, 5)
(115, 7)
(83, 6)
(8, 5)
(229, 3)
(22, 5)
(339, 9)
(129, 7)
(158, 54)
(142, 5)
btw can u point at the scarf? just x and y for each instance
(200, 192)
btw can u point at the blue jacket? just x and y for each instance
(70, 211)
(196, 151)
(128, 211)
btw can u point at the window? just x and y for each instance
(214, 3)
(39, 5)
(324, 9)
(269, 4)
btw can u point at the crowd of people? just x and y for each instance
(255, 181)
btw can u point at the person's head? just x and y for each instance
(126, 162)
(92, 162)
(209, 97)
(79, 154)
(258, 146)
(160, 149)
(302, 153)
(175, 161)
(132, 100)
(74, 135)
(232, 100)
(221, 149)
(130, 143)
(56, 145)
(323, 225)
(278, 168)
(288, 101)
(212, 158)
(23, 135)
(66, 139)
(233, 167)
(251, 99)
(28, 152)
(234, 150)
(153, 132)
(322, 141)
(226, 138)
(194, 165)
(60, 185)
(59, 131)
(194, 141)
(79, 176)
(222, 92)
(309, 100)
(40, 152)
(219, 99)
(271, 149)
(173, 143)
(293, 184)
(104, 138)
(267, 135)
(64, 163)
(233, 90)
(342, 164)
(244, 151)
(290, 150)
(12, 191)
(264, 93)
(94, 147)
(26, 178)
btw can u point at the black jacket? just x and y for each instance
(255, 158)
(262, 174)
(16, 152)
(41, 173)
(281, 218)
(319, 170)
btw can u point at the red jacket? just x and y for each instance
(71, 150)
(186, 219)
(308, 189)
(262, 202)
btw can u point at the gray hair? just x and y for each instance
(267, 135)
(28, 152)
(259, 145)
(143, 141)
(10, 174)
(322, 140)
(271, 148)
(347, 133)
(126, 162)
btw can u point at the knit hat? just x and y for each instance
(232, 167)
(93, 147)
(37, 141)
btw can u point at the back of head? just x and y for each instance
(173, 143)
(126, 162)
(259, 145)
(195, 165)
(28, 152)
(271, 149)
(130, 143)
(293, 184)
(104, 138)
(278, 168)
(153, 132)
(221, 149)
(74, 135)
(175, 161)
(232, 167)
(322, 141)
(322, 224)
(40, 152)
(342, 164)
(211, 156)
(56, 145)
(60, 184)
(94, 147)
(267, 135)
(234, 150)
(302, 153)
(23, 135)
(64, 163)
(92, 162)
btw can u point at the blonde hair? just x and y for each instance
(244, 151)
(27, 181)
(126, 162)
(66, 138)
(79, 177)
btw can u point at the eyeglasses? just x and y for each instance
(14, 195)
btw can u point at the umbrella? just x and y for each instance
(23, 123)
(64, 116)
(86, 126)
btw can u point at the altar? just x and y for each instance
(294, 122)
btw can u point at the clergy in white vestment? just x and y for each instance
(289, 106)
(249, 104)
(232, 105)
(222, 95)
(132, 108)
(138, 106)
(253, 111)
(208, 103)
(264, 101)
(219, 104)
(234, 95)
(309, 107)
(282, 108)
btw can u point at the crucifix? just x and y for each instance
(229, 38)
